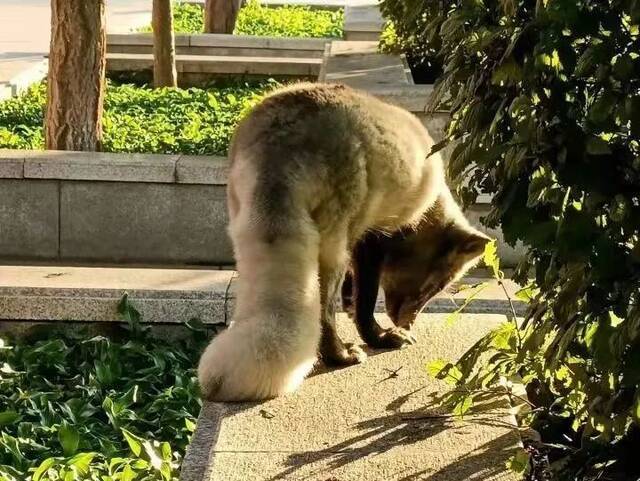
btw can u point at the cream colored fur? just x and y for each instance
(386, 181)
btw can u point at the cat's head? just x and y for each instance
(421, 264)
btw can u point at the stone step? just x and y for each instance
(360, 65)
(370, 422)
(221, 65)
(222, 45)
(53, 293)
(363, 22)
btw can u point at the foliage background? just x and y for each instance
(255, 19)
(139, 119)
(545, 102)
(117, 405)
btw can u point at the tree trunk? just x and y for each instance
(75, 82)
(164, 49)
(220, 15)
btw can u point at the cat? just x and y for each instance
(313, 167)
(412, 266)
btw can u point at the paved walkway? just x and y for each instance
(362, 423)
(25, 28)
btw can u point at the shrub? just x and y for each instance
(137, 119)
(545, 102)
(120, 406)
(288, 21)
(255, 19)
(410, 31)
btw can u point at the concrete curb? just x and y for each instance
(167, 295)
(361, 423)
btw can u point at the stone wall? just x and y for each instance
(97, 208)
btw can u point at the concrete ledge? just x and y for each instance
(222, 45)
(362, 423)
(31, 293)
(220, 65)
(101, 166)
(363, 22)
(92, 294)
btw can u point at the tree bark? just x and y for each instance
(220, 15)
(164, 49)
(75, 83)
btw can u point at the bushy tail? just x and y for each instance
(273, 339)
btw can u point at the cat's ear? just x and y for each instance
(472, 243)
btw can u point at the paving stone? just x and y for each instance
(360, 423)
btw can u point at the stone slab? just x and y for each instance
(144, 38)
(113, 222)
(257, 42)
(361, 423)
(236, 65)
(342, 47)
(12, 164)
(32, 293)
(197, 169)
(100, 166)
(365, 71)
(219, 40)
(491, 299)
(29, 217)
(363, 22)
(413, 98)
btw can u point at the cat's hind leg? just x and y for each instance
(333, 261)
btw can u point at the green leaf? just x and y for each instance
(134, 442)
(69, 438)
(43, 468)
(8, 417)
(597, 146)
(127, 474)
(82, 462)
(463, 406)
(490, 258)
(525, 294)
(519, 462)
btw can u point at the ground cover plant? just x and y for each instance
(140, 119)
(112, 407)
(255, 19)
(545, 102)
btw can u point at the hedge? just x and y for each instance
(545, 103)
(140, 119)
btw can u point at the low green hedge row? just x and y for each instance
(139, 119)
(255, 19)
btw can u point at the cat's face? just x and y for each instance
(420, 266)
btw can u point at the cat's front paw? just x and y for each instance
(392, 338)
(350, 355)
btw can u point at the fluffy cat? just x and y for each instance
(313, 168)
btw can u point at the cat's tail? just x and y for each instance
(273, 339)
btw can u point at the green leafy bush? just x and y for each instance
(138, 119)
(410, 31)
(545, 101)
(102, 407)
(255, 19)
(288, 21)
